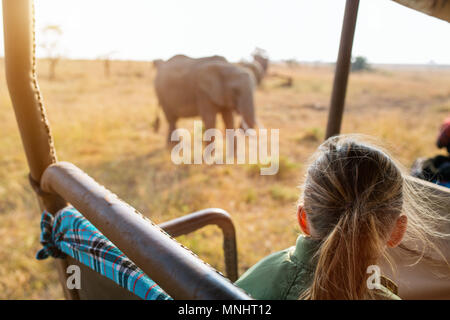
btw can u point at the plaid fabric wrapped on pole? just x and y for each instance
(72, 234)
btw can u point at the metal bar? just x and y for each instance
(342, 69)
(212, 216)
(20, 66)
(23, 87)
(177, 270)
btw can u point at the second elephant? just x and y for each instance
(255, 68)
(188, 87)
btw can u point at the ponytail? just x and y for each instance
(343, 258)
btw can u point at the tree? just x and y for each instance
(360, 63)
(51, 45)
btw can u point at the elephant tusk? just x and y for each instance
(259, 125)
(244, 125)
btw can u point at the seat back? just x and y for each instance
(426, 279)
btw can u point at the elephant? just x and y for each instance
(189, 87)
(261, 57)
(157, 63)
(255, 68)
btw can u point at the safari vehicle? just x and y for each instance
(180, 273)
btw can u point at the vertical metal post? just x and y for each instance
(342, 69)
(20, 66)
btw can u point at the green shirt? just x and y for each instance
(284, 275)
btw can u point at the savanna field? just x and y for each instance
(104, 125)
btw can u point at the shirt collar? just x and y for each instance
(305, 249)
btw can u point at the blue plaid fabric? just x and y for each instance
(72, 234)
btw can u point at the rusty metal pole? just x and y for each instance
(20, 65)
(342, 69)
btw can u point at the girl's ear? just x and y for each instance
(302, 220)
(398, 232)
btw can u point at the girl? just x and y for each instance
(355, 203)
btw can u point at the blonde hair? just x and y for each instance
(353, 194)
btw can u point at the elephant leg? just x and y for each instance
(228, 119)
(172, 127)
(209, 122)
(208, 114)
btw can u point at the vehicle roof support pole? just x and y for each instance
(20, 65)
(342, 69)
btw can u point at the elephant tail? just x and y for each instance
(157, 122)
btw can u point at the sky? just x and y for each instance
(306, 30)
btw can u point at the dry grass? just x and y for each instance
(104, 126)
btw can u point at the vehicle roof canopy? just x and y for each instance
(436, 8)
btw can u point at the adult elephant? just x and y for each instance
(188, 87)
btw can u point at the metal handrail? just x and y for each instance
(177, 270)
(212, 216)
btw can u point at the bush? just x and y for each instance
(360, 64)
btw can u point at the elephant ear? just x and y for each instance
(211, 83)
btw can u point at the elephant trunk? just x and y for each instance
(247, 110)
